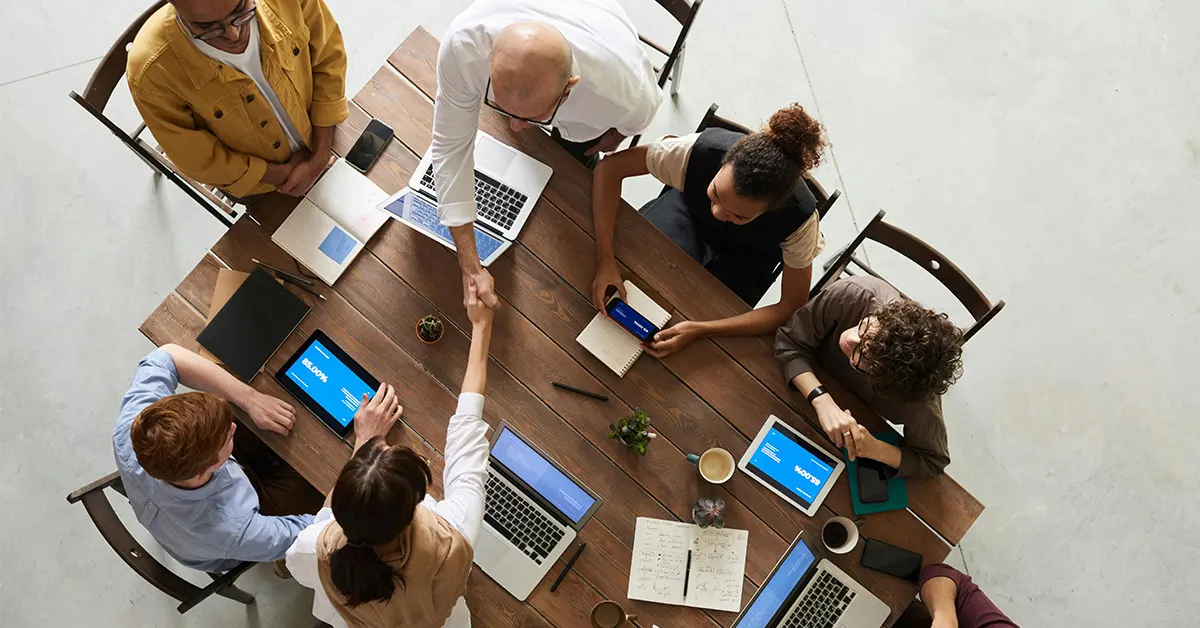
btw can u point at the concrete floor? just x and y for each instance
(1051, 149)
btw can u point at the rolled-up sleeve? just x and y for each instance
(796, 341)
(455, 121)
(328, 53)
(156, 377)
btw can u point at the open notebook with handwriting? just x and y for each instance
(662, 570)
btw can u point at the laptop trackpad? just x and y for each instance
(494, 157)
(490, 551)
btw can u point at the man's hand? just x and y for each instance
(477, 312)
(862, 443)
(607, 144)
(673, 338)
(269, 413)
(837, 423)
(484, 290)
(304, 175)
(376, 415)
(608, 275)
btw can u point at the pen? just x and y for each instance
(580, 392)
(304, 288)
(296, 278)
(570, 563)
(686, 575)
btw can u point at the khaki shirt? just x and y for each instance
(211, 120)
(667, 160)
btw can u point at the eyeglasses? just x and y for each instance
(856, 356)
(491, 103)
(218, 31)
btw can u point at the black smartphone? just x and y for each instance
(891, 560)
(369, 145)
(872, 481)
(627, 317)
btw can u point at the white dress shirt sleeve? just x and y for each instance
(466, 468)
(455, 121)
(302, 563)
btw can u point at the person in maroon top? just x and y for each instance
(951, 600)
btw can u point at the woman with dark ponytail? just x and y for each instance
(736, 203)
(383, 553)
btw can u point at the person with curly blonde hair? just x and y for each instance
(735, 202)
(897, 355)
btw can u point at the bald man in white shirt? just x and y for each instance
(575, 66)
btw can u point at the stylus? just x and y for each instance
(570, 563)
(579, 392)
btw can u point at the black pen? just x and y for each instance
(579, 392)
(570, 563)
(686, 575)
(304, 288)
(296, 278)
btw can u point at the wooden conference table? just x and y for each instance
(713, 393)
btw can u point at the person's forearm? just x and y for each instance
(886, 453)
(475, 380)
(464, 243)
(322, 144)
(939, 595)
(606, 200)
(752, 323)
(200, 374)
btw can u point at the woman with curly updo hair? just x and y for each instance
(735, 202)
(897, 355)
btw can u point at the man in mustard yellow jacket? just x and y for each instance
(242, 94)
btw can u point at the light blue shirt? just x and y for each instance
(211, 528)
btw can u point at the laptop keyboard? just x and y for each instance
(497, 202)
(823, 605)
(510, 514)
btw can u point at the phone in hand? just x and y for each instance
(369, 145)
(627, 317)
(891, 560)
(872, 481)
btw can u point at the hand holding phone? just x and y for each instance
(627, 317)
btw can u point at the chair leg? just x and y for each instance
(237, 595)
(677, 71)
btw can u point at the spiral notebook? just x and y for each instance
(612, 344)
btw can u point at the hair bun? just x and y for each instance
(799, 136)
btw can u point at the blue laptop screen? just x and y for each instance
(329, 382)
(772, 596)
(424, 212)
(553, 485)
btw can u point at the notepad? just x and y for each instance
(612, 344)
(660, 568)
(333, 222)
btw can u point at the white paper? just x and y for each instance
(612, 344)
(660, 565)
(301, 236)
(350, 198)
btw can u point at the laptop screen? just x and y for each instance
(543, 477)
(780, 585)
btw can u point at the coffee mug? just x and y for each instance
(716, 465)
(609, 614)
(839, 535)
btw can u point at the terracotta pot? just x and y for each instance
(417, 329)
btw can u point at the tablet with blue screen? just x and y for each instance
(327, 382)
(792, 466)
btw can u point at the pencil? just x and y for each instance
(304, 288)
(295, 278)
(579, 392)
(570, 563)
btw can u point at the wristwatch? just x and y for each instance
(816, 392)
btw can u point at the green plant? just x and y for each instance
(633, 431)
(709, 512)
(429, 328)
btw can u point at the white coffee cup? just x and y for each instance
(851, 534)
(716, 465)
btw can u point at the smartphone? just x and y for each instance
(628, 318)
(891, 560)
(369, 146)
(872, 481)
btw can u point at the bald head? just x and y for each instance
(531, 63)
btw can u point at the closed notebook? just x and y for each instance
(252, 324)
(333, 222)
(612, 344)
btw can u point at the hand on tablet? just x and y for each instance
(376, 415)
(269, 413)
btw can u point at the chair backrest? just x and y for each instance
(112, 66)
(684, 12)
(916, 250)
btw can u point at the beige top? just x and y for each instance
(667, 160)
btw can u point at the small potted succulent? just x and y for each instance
(633, 431)
(709, 512)
(429, 329)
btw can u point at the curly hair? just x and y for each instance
(768, 164)
(913, 352)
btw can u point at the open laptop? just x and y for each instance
(534, 510)
(803, 593)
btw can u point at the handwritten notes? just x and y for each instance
(660, 565)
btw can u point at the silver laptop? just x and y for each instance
(803, 593)
(534, 510)
(508, 183)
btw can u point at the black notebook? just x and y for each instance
(252, 325)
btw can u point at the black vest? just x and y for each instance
(762, 235)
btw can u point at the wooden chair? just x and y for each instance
(684, 12)
(95, 501)
(981, 309)
(95, 98)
